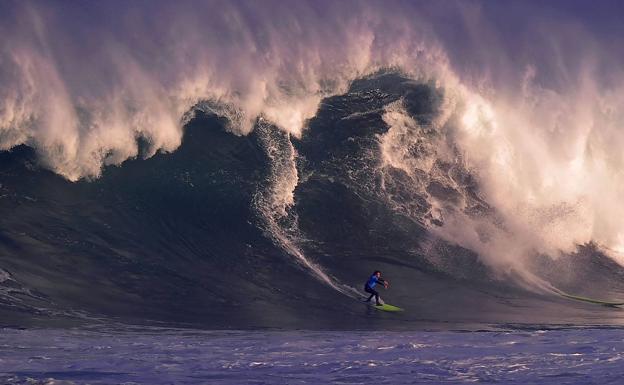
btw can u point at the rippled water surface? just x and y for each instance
(577, 356)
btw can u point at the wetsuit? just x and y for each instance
(370, 284)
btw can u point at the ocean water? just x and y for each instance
(245, 166)
(173, 356)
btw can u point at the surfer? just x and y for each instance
(374, 279)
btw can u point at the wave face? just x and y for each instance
(268, 230)
(240, 165)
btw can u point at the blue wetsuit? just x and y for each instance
(370, 284)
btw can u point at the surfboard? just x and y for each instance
(591, 300)
(387, 307)
(384, 306)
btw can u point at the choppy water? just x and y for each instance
(575, 356)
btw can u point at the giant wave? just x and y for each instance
(210, 165)
(267, 230)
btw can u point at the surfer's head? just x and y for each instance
(377, 273)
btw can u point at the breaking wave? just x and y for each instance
(248, 165)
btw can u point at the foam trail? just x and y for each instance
(274, 200)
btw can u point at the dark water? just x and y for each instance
(196, 238)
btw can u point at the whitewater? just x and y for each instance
(300, 357)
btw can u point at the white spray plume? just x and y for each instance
(81, 83)
(81, 90)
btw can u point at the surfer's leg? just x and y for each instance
(376, 294)
(369, 290)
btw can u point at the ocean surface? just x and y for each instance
(168, 356)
